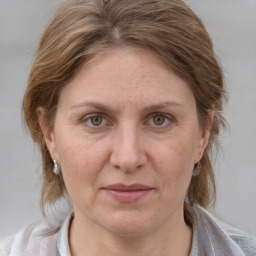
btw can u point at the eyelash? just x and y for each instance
(88, 118)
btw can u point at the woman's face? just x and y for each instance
(126, 136)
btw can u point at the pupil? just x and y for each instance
(96, 120)
(159, 120)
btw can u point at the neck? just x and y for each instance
(173, 238)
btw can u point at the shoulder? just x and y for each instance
(29, 241)
(6, 245)
(246, 242)
(217, 237)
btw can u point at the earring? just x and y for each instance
(56, 168)
(196, 170)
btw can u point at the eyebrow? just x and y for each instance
(93, 104)
(105, 108)
(163, 105)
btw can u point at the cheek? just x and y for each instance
(76, 150)
(177, 155)
(81, 162)
(174, 162)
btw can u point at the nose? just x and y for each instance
(128, 152)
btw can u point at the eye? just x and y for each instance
(159, 120)
(94, 121)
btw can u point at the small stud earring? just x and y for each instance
(56, 168)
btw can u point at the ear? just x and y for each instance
(48, 133)
(204, 137)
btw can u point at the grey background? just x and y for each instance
(232, 26)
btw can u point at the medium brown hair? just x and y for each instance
(81, 29)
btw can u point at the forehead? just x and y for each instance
(131, 73)
(129, 61)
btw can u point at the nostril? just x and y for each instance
(128, 162)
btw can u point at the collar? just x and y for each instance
(209, 239)
(62, 241)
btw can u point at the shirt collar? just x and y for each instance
(62, 242)
(208, 237)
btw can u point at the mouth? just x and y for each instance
(128, 193)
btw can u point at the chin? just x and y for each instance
(130, 225)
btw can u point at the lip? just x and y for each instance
(128, 193)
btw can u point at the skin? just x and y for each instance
(148, 134)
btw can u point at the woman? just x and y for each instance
(124, 99)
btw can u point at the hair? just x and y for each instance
(81, 29)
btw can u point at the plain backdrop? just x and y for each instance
(232, 26)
